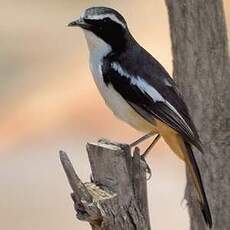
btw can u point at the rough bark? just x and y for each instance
(117, 197)
(202, 72)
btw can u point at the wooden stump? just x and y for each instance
(116, 199)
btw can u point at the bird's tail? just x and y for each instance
(195, 173)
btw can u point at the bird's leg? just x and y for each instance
(151, 146)
(148, 169)
(143, 138)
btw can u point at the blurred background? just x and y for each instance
(49, 102)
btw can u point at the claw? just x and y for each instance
(91, 178)
(147, 168)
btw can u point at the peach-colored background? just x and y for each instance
(49, 102)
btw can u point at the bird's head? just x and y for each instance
(103, 26)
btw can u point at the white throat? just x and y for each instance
(97, 47)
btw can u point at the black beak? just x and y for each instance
(80, 23)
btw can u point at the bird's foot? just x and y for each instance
(91, 178)
(147, 168)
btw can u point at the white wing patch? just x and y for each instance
(140, 83)
(146, 88)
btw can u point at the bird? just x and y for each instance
(139, 90)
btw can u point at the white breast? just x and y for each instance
(98, 50)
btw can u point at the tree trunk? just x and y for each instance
(116, 199)
(202, 72)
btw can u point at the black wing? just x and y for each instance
(135, 90)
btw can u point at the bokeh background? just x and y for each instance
(49, 102)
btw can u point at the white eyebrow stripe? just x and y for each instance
(146, 88)
(102, 16)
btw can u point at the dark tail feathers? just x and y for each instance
(195, 173)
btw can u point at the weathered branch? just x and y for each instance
(202, 71)
(117, 197)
